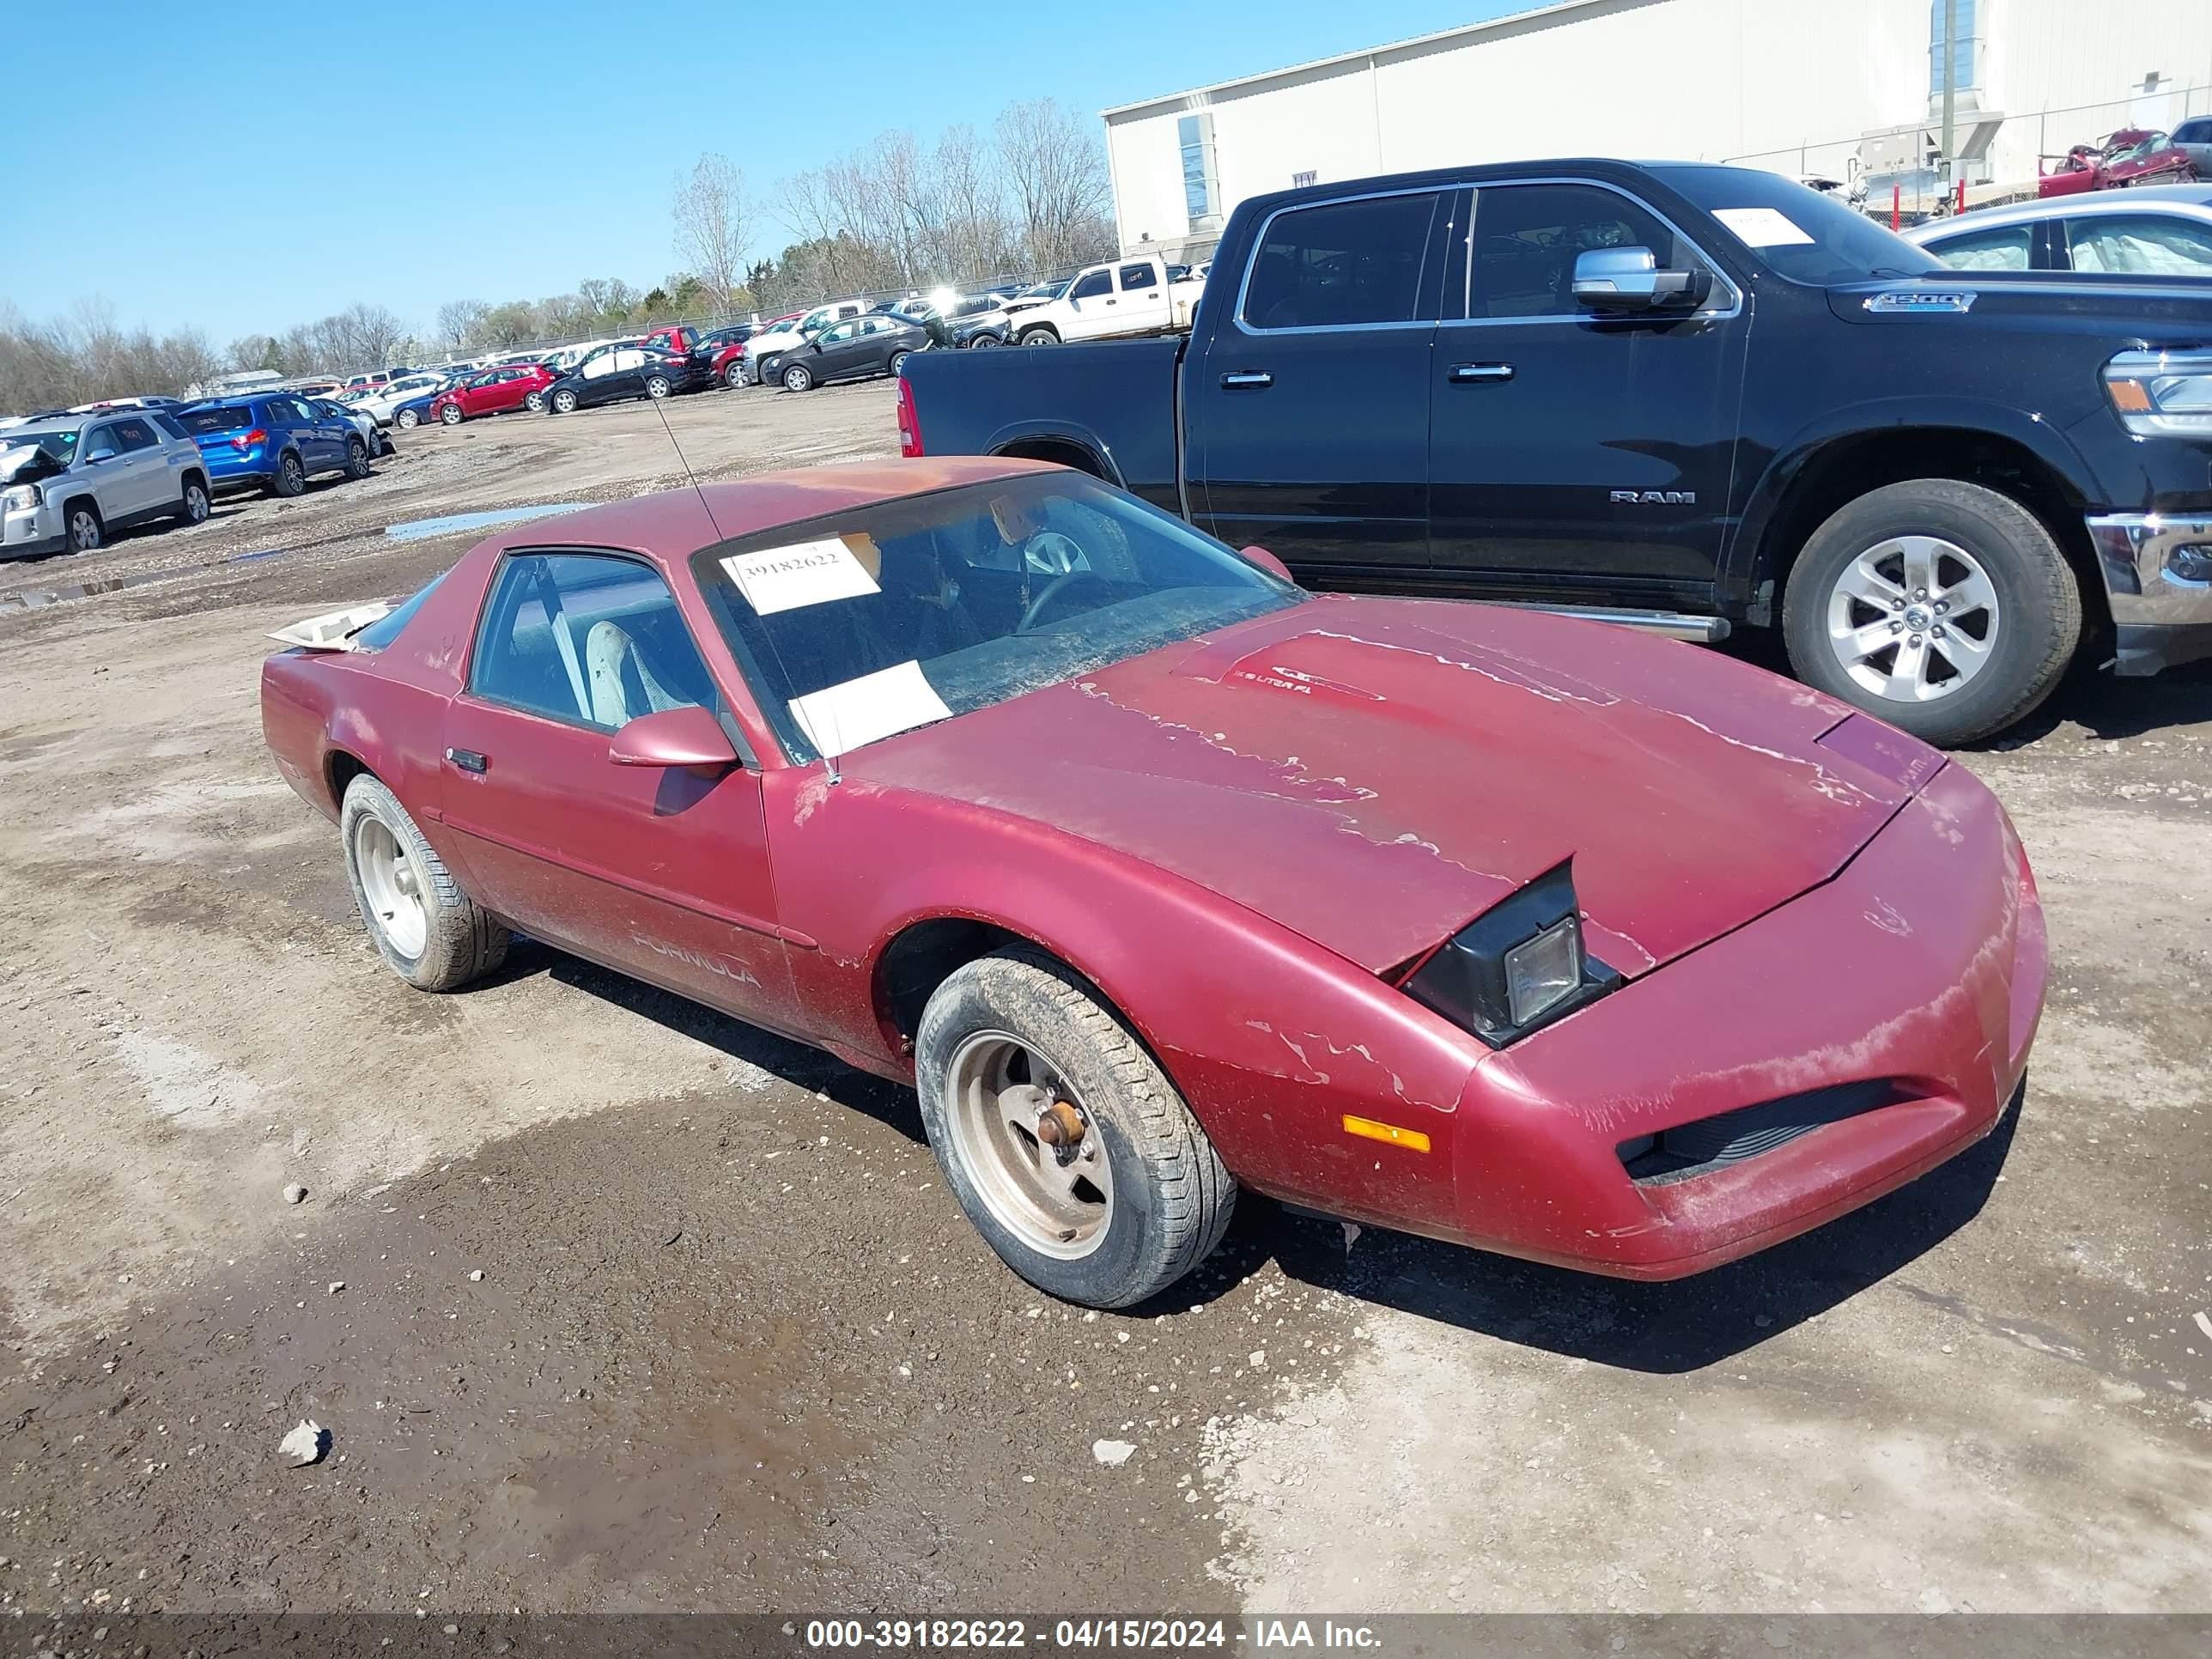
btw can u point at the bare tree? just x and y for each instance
(713, 226)
(1056, 170)
(460, 321)
(371, 334)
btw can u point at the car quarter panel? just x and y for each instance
(1923, 963)
(1273, 1040)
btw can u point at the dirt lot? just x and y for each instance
(733, 1346)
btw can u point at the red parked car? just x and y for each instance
(520, 386)
(2130, 157)
(1161, 878)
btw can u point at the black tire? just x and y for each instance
(658, 386)
(535, 403)
(291, 476)
(196, 504)
(1039, 337)
(2037, 622)
(981, 341)
(357, 464)
(797, 378)
(407, 420)
(563, 402)
(83, 530)
(734, 376)
(898, 362)
(461, 941)
(452, 415)
(1172, 1196)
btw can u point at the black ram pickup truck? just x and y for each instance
(1689, 397)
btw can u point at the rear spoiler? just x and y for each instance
(334, 630)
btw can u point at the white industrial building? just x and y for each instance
(1846, 90)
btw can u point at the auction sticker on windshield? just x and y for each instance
(1763, 226)
(804, 573)
(838, 718)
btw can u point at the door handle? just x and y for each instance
(1253, 377)
(1474, 374)
(468, 760)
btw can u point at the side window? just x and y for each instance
(1341, 264)
(1527, 238)
(1091, 284)
(2147, 242)
(168, 427)
(586, 638)
(839, 334)
(133, 434)
(598, 363)
(1135, 278)
(100, 438)
(2005, 248)
(629, 357)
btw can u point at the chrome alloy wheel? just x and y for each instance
(393, 887)
(1034, 1153)
(1913, 618)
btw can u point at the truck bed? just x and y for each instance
(1116, 397)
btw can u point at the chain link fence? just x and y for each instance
(2001, 155)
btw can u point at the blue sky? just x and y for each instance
(245, 166)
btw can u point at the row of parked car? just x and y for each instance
(68, 479)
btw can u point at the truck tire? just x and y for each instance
(1039, 337)
(1943, 607)
(1015, 1051)
(429, 932)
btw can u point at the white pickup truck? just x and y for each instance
(1123, 297)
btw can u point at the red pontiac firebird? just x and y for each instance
(1162, 878)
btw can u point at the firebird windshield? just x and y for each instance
(861, 624)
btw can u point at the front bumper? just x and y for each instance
(30, 533)
(1920, 968)
(2157, 577)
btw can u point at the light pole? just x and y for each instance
(1950, 86)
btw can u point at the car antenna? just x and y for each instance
(661, 408)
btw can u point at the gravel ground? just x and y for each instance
(734, 1347)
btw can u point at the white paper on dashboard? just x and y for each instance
(804, 573)
(838, 718)
(1763, 226)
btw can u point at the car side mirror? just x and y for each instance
(689, 737)
(1629, 279)
(98, 456)
(1268, 562)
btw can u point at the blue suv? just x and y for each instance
(272, 440)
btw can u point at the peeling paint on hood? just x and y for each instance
(1373, 773)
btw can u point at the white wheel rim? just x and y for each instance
(795, 379)
(1913, 619)
(656, 388)
(392, 886)
(998, 1092)
(196, 504)
(84, 532)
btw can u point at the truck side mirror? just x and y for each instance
(1629, 279)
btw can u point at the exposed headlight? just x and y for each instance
(2162, 393)
(1516, 968)
(21, 498)
(1542, 971)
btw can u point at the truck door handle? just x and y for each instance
(468, 760)
(1242, 378)
(1471, 373)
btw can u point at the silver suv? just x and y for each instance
(66, 481)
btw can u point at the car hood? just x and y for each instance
(1373, 773)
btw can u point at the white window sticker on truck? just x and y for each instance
(838, 718)
(1763, 226)
(804, 573)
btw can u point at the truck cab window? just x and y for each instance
(1341, 264)
(1527, 238)
(1090, 285)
